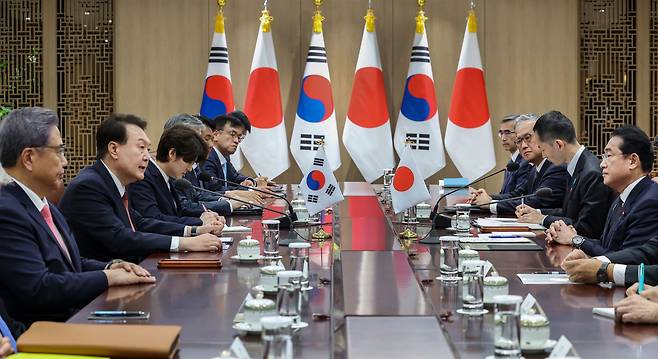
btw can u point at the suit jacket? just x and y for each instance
(636, 226)
(551, 176)
(15, 327)
(193, 200)
(650, 275)
(516, 179)
(93, 208)
(152, 198)
(587, 200)
(38, 282)
(647, 253)
(213, 166)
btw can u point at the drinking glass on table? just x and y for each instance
(507, 329)
(473, 285)
(271, 237)
(450, 265)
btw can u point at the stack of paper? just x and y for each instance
(545, 278)
(491, 238)
(236, 229)
(507, 222)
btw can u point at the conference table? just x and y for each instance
(378, 292)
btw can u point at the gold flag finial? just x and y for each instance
(472, 21)
(266, 20)
(317, 17)
(420, 18)
(219, 20)
(370, 20)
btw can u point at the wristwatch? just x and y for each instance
(602, 273)
(577, 241)
(112, 262)
(193, 230)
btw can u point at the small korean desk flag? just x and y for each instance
(408, 187)
(319, 185)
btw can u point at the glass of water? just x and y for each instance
(271, 237)
(507, 330)
(463, 220)
(277, 337)
(450, 265)
(473, 289)
(289, 300)
(299, 252)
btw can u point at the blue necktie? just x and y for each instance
(224, 170)
(4, 330)
(197, 172)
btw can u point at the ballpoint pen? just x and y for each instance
(640, 276)
(549, 272)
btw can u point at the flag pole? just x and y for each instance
(320, 235)
(409, 216)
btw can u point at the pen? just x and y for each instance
(503, 236)
(640, 275)
(549, 272)
(119, 313)
(205, 209)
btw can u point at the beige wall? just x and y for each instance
(529, 52)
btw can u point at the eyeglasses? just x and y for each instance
(505, 133)
(527, 139)
(235, 135)
(60, 150)
(605, 156)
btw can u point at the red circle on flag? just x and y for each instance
(263, 101)
(368, 107)
(469, 107)
(403, 179)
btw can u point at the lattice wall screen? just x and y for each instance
(85, 68)
(608, 68)
(21, 68)
(653, 70)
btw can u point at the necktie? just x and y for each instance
(125, 205)
(5, 332)
(48, 217)
(615, 215)
(224, 170)
(197, 172)
(174, 195)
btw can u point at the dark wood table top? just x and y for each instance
(204, 302)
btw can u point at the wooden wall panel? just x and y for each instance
(529, 50)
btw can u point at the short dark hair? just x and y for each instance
(187, 143)
(553, 125)
(243, 118)
(206, 121)
(221, 120)
(113, 129)
(634, 140)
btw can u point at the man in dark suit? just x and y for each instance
(631, 221)
(513, 180)
(96, 202)
(43, 276)
(587, 199)
(155, 196)
(542, 174)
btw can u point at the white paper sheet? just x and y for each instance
(236, 229)
(604, 312)
(485, 238)
(532, 278)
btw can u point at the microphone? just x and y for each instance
(511, 167)
(206, 177)
(184, 185)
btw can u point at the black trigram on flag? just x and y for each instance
(218, 54)
(420, 54)
(307, 141)
(312, 198)
(318, 162)
(316, 54)
(419, 141)
(330, 189)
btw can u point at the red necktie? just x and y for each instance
(125, 205)
(48, 217)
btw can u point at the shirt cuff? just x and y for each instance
(230, 206)
(603, 259)
(538, 210)
(619, 274)
(174, 244)
(493, 208)
(187, 232)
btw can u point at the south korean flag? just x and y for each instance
(319, 185)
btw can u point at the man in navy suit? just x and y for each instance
(513, 180)
(542, 174)
(96, 202)
(229, 132)
(43, 276)
(587, 199)
(631, 220)
(156, 196)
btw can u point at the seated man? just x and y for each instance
(97, 208)
(587, 199)
(43, 276)
(631, 221)
(514, 180)
(156, 196)
(542, 174)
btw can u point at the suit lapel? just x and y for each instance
(113, 191)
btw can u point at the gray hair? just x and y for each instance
(508, 118)
(185, 120)
(525, 117)
(23, 128)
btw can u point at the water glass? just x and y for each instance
(388, 177)
(473, 289)
(450, 265)
(507, 330)
(277, 337)
(410, 215)
(289, 299)
(463, 220)
(271, 237)
(299, 253)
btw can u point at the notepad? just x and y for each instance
(532, 278)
